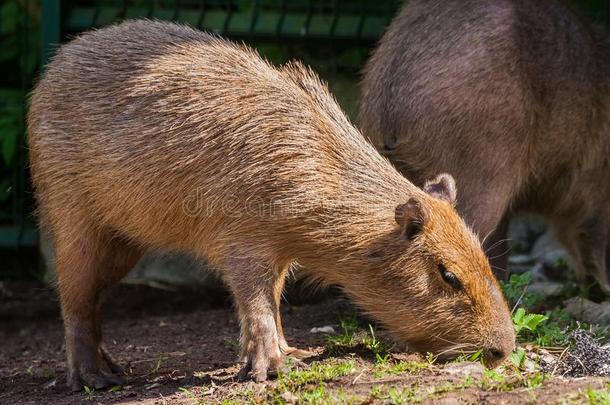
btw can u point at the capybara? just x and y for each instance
(151, 134)
(512, 97)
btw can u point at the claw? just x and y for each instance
(92, 374)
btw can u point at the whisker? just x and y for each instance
(496, 244)
(486, 236)
(445, 340)
(456, 350)
(500, 255)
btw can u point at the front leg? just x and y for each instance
(254, 287)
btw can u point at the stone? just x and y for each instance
(589, 311)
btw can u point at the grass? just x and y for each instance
(353, 339)
(385, 367)
(397, 395)
(317, 373)
(598, 397)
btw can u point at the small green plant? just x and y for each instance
(379, 348)
(493, 380)
(315, 396)
(353, 338)
(598, 397)
(346, 338)
(534, 380)
(523, 321)
(517, 358)
(90, 392)
(515, 291)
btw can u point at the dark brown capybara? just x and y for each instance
(512, 97)
(151, 134)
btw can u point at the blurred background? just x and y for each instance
(335, 37)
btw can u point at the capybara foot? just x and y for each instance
(259, 371)
(261, 363)
(296, 353)
(96, 374)
(96, 378)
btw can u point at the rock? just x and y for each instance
(464, 368)
(155, 268)
(545, 288)
(524, 229)
(589, 311)
(324, 329)
(520, 263)
(548, 251)
(546, 359)
(289, 397)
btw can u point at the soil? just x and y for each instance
(181, 347)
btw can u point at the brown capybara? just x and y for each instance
(512, 97)
(151, 134)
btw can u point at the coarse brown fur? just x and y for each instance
(512, 97)
(150, 134)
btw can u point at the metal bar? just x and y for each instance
(254, 18)
(51, 28)
(333, 24)
(225, 26)
(151, 8)
(308, 18)
(176, 10)
(361, 21)
(96, 13)
(201, 15)
(280, 21)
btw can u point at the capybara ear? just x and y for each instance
(442, 187)
(411, 217)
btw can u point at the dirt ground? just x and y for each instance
(181, 347)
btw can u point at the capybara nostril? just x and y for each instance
(496, 353)
(494, 356)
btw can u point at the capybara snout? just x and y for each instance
(129, 121)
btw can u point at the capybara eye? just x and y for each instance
(449, 277)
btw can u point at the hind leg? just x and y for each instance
(88, 262)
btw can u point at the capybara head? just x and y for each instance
(439, 293)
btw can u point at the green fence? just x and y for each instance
(330, 22)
